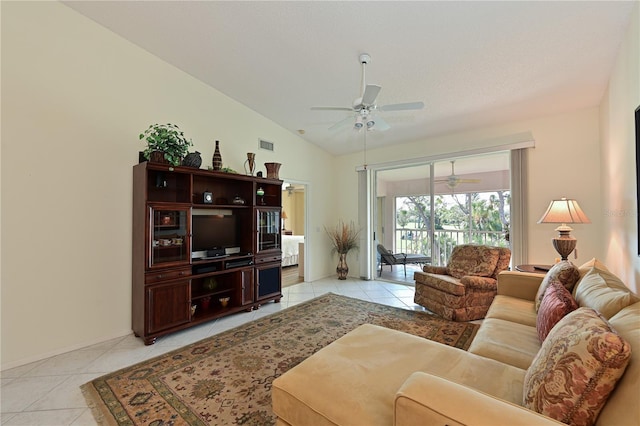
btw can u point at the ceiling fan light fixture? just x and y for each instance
(358, 125)
(370, 123)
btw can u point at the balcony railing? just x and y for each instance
(417, 241)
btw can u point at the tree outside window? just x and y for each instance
(470, 218)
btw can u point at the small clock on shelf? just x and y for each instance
(207, 197)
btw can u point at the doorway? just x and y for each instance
(294, 199)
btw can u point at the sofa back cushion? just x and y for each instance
(603, 291)
(622, 406)
(556, 303)
(576, 369)
(476, 260)
(565, 272)
(586, 266)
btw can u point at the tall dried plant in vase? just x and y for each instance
(344, 238)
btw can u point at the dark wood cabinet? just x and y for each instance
(205, 244)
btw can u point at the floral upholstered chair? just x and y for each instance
(464, 289)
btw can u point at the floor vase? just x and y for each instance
(342, 269)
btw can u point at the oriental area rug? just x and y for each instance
(226, 379)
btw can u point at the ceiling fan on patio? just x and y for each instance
(365, 106)
(454, 180)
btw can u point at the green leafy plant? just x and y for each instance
(166, 138)
(344, 238)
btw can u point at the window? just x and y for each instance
(469, 218)
(470, 198)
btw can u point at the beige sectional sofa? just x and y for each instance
(377, 376)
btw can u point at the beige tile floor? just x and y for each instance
(47, 392)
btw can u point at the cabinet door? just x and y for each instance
(268, 280)
(268, 229)
(247, 286)
(168, 305)
(168, 236)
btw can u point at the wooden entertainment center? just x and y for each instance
(205, 244)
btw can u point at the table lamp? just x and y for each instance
(284, 217)
(564, 211)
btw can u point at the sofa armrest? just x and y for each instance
(440, 270)
(523, 285)
(425, 399)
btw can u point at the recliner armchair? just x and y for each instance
(465, 288)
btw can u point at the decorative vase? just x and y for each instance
(217, 158)
(205, 303)
(272, 170)
(250, 163)
(193, 159)
(342, 269)
(210, 284)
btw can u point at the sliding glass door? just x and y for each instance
(430, 208)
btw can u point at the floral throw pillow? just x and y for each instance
(556, 303)
(566, 272)
(576, 369)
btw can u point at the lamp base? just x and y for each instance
(564, 244)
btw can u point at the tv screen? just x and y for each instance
(210, 231)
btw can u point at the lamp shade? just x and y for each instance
(564, 211)
(284, 215)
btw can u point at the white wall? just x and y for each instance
(563, 163)
(74, 99)
(619, 209)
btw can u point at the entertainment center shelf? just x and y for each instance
(205, 244)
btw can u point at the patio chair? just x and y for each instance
(389, 258)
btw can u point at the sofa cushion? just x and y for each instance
(601, 290)
(513, 309)
(469, 259)
(556, 303)
(576, 369)
(565, 272)
(506, 342)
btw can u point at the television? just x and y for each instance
(211, 230)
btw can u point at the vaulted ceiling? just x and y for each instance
(473, 64)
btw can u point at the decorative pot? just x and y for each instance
(193, 159)
(205, 303)
(157, 157)
(217, 158)
(342, 269)
(272, 170)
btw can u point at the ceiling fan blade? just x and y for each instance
(469, 180)
(341, 123)
(402, 107)
(380, 125)
(319, 108)
(370, 94)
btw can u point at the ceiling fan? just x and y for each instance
(364, 106)
(454, 180)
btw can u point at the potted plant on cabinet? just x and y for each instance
(344, 238)
(168, 140)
